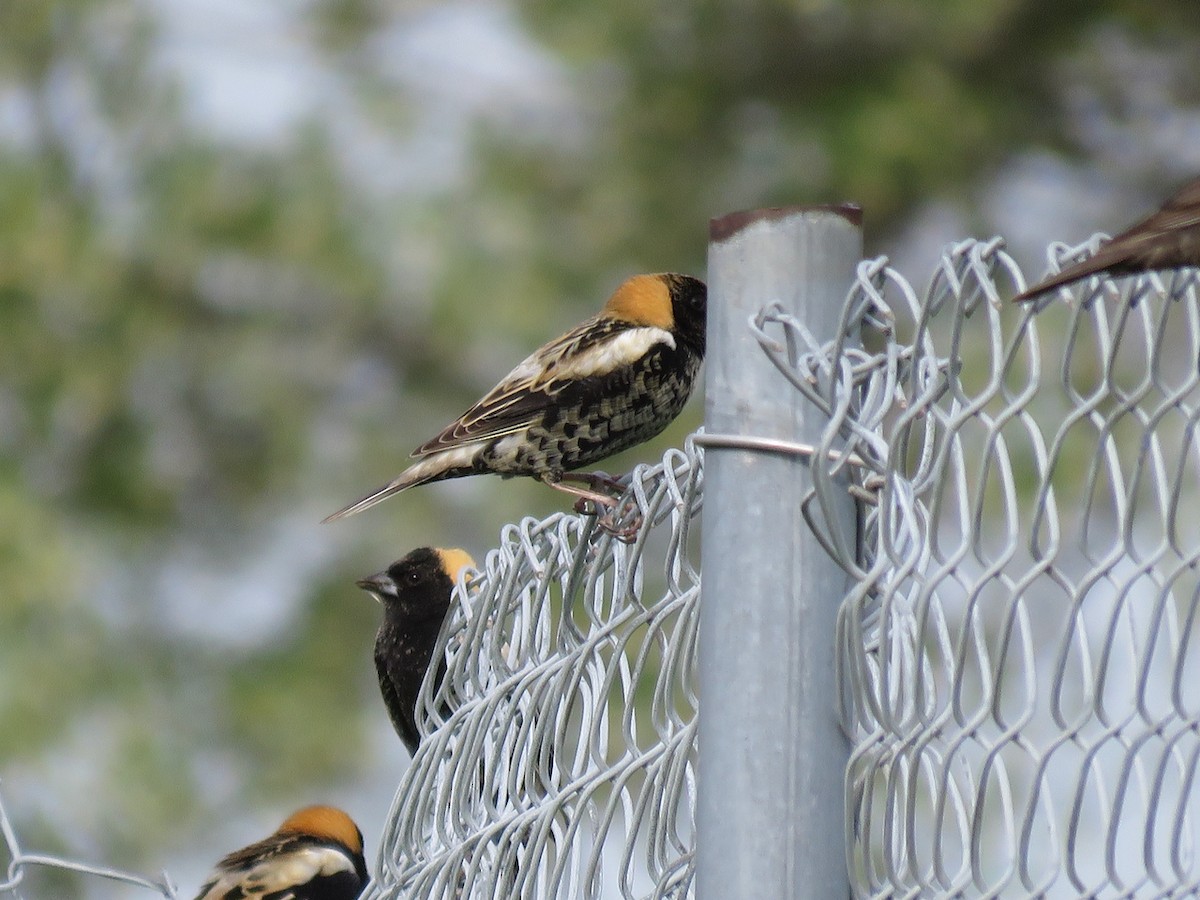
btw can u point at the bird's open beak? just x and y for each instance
(375, 586)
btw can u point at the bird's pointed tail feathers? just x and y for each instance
(1076, 272)
(442, 465)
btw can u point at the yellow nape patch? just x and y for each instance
(454, 561)
(643, 300)
(326, 822)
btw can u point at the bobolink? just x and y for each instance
(415, 593)
(1166, 239)
(316, 854)
(614, 381)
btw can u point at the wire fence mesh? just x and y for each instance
(19, 863)
(567, 765)
(1016, 655)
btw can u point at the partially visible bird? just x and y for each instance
(415, 594)
(316, 854)
(1166, 239)
(615, 380)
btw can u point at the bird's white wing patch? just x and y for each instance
(279, 873)
(594, 348)
(301, 866)
(438, 460)
(619, 350)
(527, 369)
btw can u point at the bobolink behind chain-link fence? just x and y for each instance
(415, 595)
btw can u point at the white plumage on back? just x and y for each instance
(278, 873)
(617, 379)
(623, 349)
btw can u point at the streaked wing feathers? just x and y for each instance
(272, 866)
(1167, 238)
(596, 346)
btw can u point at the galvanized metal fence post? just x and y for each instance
(772, 753)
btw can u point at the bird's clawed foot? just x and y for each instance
(622, 520)
(599, 494)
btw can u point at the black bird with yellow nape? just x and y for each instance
(415, 594)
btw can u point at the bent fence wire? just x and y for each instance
(19, 863)
(1017, 655)
(567, 765)
(1019, 670)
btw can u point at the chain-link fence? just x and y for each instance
(1015, 654)
(1018, 651)
(566, 767)
(19, 864)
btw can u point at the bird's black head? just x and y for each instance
(419, 585)
(689, 309)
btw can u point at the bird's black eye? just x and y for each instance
(413, 577)
(695, 297)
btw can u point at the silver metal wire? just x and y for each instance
(566, 767)
(1017, 658)
(1017, 654)
(19, 862)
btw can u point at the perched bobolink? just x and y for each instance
(317, 854)
(1166, 239)
(614, 381)
(415, 593)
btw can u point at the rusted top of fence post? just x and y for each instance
(722, 227)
